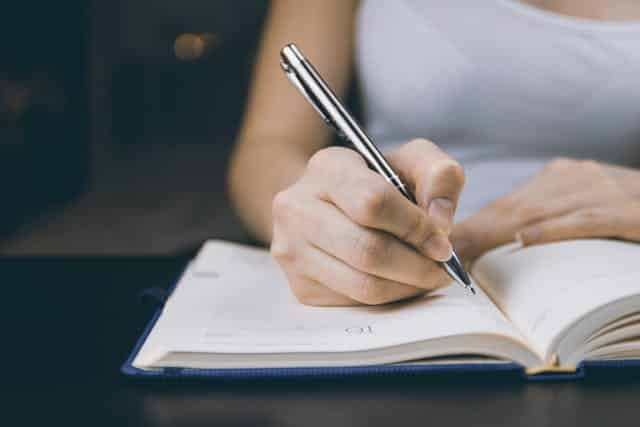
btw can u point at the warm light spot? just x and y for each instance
(16, 98)
(189, 46)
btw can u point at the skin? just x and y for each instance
(568, 199)
(341, 234)
(604, 10)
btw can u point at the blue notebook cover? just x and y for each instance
(406, 369)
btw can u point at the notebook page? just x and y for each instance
(235, 299)
(544, 289)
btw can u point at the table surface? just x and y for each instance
(69, 323)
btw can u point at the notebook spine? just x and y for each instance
(552, 368)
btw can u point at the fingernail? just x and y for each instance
(442, 210)
(438, 247)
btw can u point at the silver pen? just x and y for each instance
(305, 77)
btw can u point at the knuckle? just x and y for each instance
(316, 294)
(282, 252)
(419, 232)
(436, 279)
(285, 207)
(449, 170)
(303, 297)
(579, 168)
(595, 221)
(370, 252)
(579, 165)
(370, 202)
(368, 291)
(591, 215)
(328, 157)
(529, 212)
(415, 147)
(589, 164)
(419, 143)
(301, 292)
(561, 163)
(321, 158)
(591, 168)
(280, 205)
(516, 207)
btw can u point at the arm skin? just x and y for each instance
(340, 232)
(281, 131)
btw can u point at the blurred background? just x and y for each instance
(117, 118)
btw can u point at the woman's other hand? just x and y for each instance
(568, 199)
(345, 236)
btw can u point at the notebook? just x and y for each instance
(542, 310)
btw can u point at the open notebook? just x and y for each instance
(546, 308)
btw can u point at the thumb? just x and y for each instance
(435, 178)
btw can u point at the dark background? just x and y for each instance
(116, 121)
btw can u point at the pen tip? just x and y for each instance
(464, 277)
(456, 270)
(454, 267)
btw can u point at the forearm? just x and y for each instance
(258, 171)
(281, 130)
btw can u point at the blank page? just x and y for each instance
(544, 289)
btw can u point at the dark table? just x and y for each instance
(69, 323)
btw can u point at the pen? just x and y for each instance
(305, 77)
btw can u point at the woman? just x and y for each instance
(514, 91)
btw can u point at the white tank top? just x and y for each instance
(500, 85)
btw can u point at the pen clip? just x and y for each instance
(293, 77)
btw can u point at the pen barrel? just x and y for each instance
(311, 85)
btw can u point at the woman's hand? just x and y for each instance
(568, 199)
(345, 236)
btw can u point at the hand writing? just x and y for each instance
(344, 236)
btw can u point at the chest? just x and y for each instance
(429, 69)
(603, 10)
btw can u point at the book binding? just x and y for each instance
(553, 367)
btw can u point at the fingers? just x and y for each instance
(303, 226)
(367, 250)
(436, 178)
(585, 223)
(344, 236)
(568, 199)
(343, 179)
(346, 280)
(310, 292)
